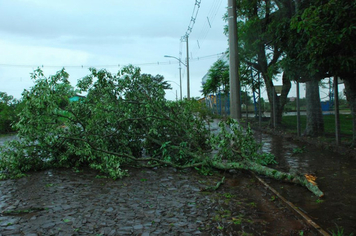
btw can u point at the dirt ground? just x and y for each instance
(162, 201)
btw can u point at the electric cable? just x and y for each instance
(207, 25)
(107, 66)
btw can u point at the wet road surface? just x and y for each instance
(336, 177)
(160, 201)
(169, 202)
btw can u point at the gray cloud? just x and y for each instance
(81, 19)
(105, 32)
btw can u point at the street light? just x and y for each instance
(180, 75)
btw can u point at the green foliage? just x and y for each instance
(259, 25)
(298, 150)
(326, 32)
(199, 108)
(235, 144)
(245, 98)
(340, 232)
(319, 200)
(218, 78)
(290, 124)
(205, 170)
(9, 108)
(266, 159)
(124, 120)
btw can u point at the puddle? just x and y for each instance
(336, 177)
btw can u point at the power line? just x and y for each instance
(107, 66)
(208, 24)
(193, 18)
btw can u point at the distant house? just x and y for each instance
(76, 98)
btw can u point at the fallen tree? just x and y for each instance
(125, 121)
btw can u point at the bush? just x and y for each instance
(123, 118)
(8, 113)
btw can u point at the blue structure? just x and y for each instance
(326, 106)
(218, 104)
(74, 99)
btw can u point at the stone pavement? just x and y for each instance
(160, 201)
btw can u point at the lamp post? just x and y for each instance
(176, 90)
(180, 74)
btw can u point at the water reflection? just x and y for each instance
(336, 177)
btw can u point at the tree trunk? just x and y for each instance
(315, 122)
(350, 87)
(272, 173)
(280, 100)
(283, 99)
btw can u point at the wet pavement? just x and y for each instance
(161, 201)
(336, 177)
(166, 201)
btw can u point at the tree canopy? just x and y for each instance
(327, 32)
(9, 107)
(218, 78)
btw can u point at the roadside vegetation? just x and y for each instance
(9, 109)
(294, 42)
(125, 121)
(290, 124)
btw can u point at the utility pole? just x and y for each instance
(235, 103)
(188, 84)
(180, 73)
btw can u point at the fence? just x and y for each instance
(218, 104)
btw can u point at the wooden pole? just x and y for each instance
(235, 103)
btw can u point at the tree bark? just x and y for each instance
(267, 62)
(280, 100)
(350, 88)
(315, 122)
(283, 99)
(272, 173)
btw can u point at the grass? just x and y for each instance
(290, 123)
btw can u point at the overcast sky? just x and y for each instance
(108, 34)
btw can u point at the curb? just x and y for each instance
(306, 218)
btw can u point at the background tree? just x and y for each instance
(327, 33)
(218, 78)
(9, 108)
(257, 22)
(293, 43)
